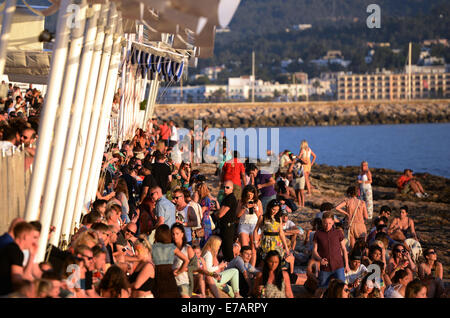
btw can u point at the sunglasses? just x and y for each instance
(227, 187)
(131, 232)
(346, 290)
(176, 198)
(400, 251)
(88, 257)
(433, 252)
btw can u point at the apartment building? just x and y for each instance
(393, 86)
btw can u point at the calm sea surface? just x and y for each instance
(421, 147)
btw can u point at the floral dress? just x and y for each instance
(271, 239)
(206, 222)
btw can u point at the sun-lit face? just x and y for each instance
(327, 224)
(354, 264)
(246, 256)
(422, 293)
(272, 263)
(275, 210)
(177, 235)
(345, 292)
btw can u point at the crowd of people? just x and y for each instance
(156, 230)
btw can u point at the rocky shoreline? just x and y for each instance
(333, 113)
(431, 215)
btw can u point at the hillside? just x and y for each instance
(336, 25)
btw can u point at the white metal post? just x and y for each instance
(60, 133)
(85, 120)
(8, 13)
(105, 115)
(93, 125)
(75, 122)
(47, 121)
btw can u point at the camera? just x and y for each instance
(251, 210)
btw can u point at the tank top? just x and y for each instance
(149, 284)
(182, 278)
(248, 218)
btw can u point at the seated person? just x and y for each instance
(287, 194)
(407, 183)
(380, 223)
(356, 273)
(291, 230)
(246, 271)
(326, 207)
(431, 273)
(403, 227)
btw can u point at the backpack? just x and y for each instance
(298, 169)
(198, 212)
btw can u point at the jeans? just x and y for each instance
(324, 277)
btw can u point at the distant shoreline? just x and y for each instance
(316, 113)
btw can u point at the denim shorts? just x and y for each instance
(246, 228)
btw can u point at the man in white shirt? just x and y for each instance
(174, 134)
(357, 271)
(9, 142)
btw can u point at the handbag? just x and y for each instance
(213, 226)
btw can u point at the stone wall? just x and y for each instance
(307, 113)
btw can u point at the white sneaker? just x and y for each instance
(426, 195)
(419, 195)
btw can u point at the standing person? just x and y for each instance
(227, 218)
(305, 155)
(296, 168)
(208, 204)
(121, 191)
(185, 215)
(165, 133)
(179, 239)
(173, 134)
(164, 209)
(163, 254)
(356, 212)
(248, 211)
(265, 182)
(329, 249)
(162, 173)
(234, 171)
(12, 269)
(365, 187)
(273, 282)
(271, 227)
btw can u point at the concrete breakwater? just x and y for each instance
(330, 113)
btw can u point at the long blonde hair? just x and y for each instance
(212, 245)
(303, 145)
(203, 190)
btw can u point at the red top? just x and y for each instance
(329, 247)
(165, 131)
(402, 181)
(232, 170)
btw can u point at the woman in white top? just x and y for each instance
(365, 187)
(179, 239)
(249, 210)
(398, 287)
(218, 272)
(305, 155)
